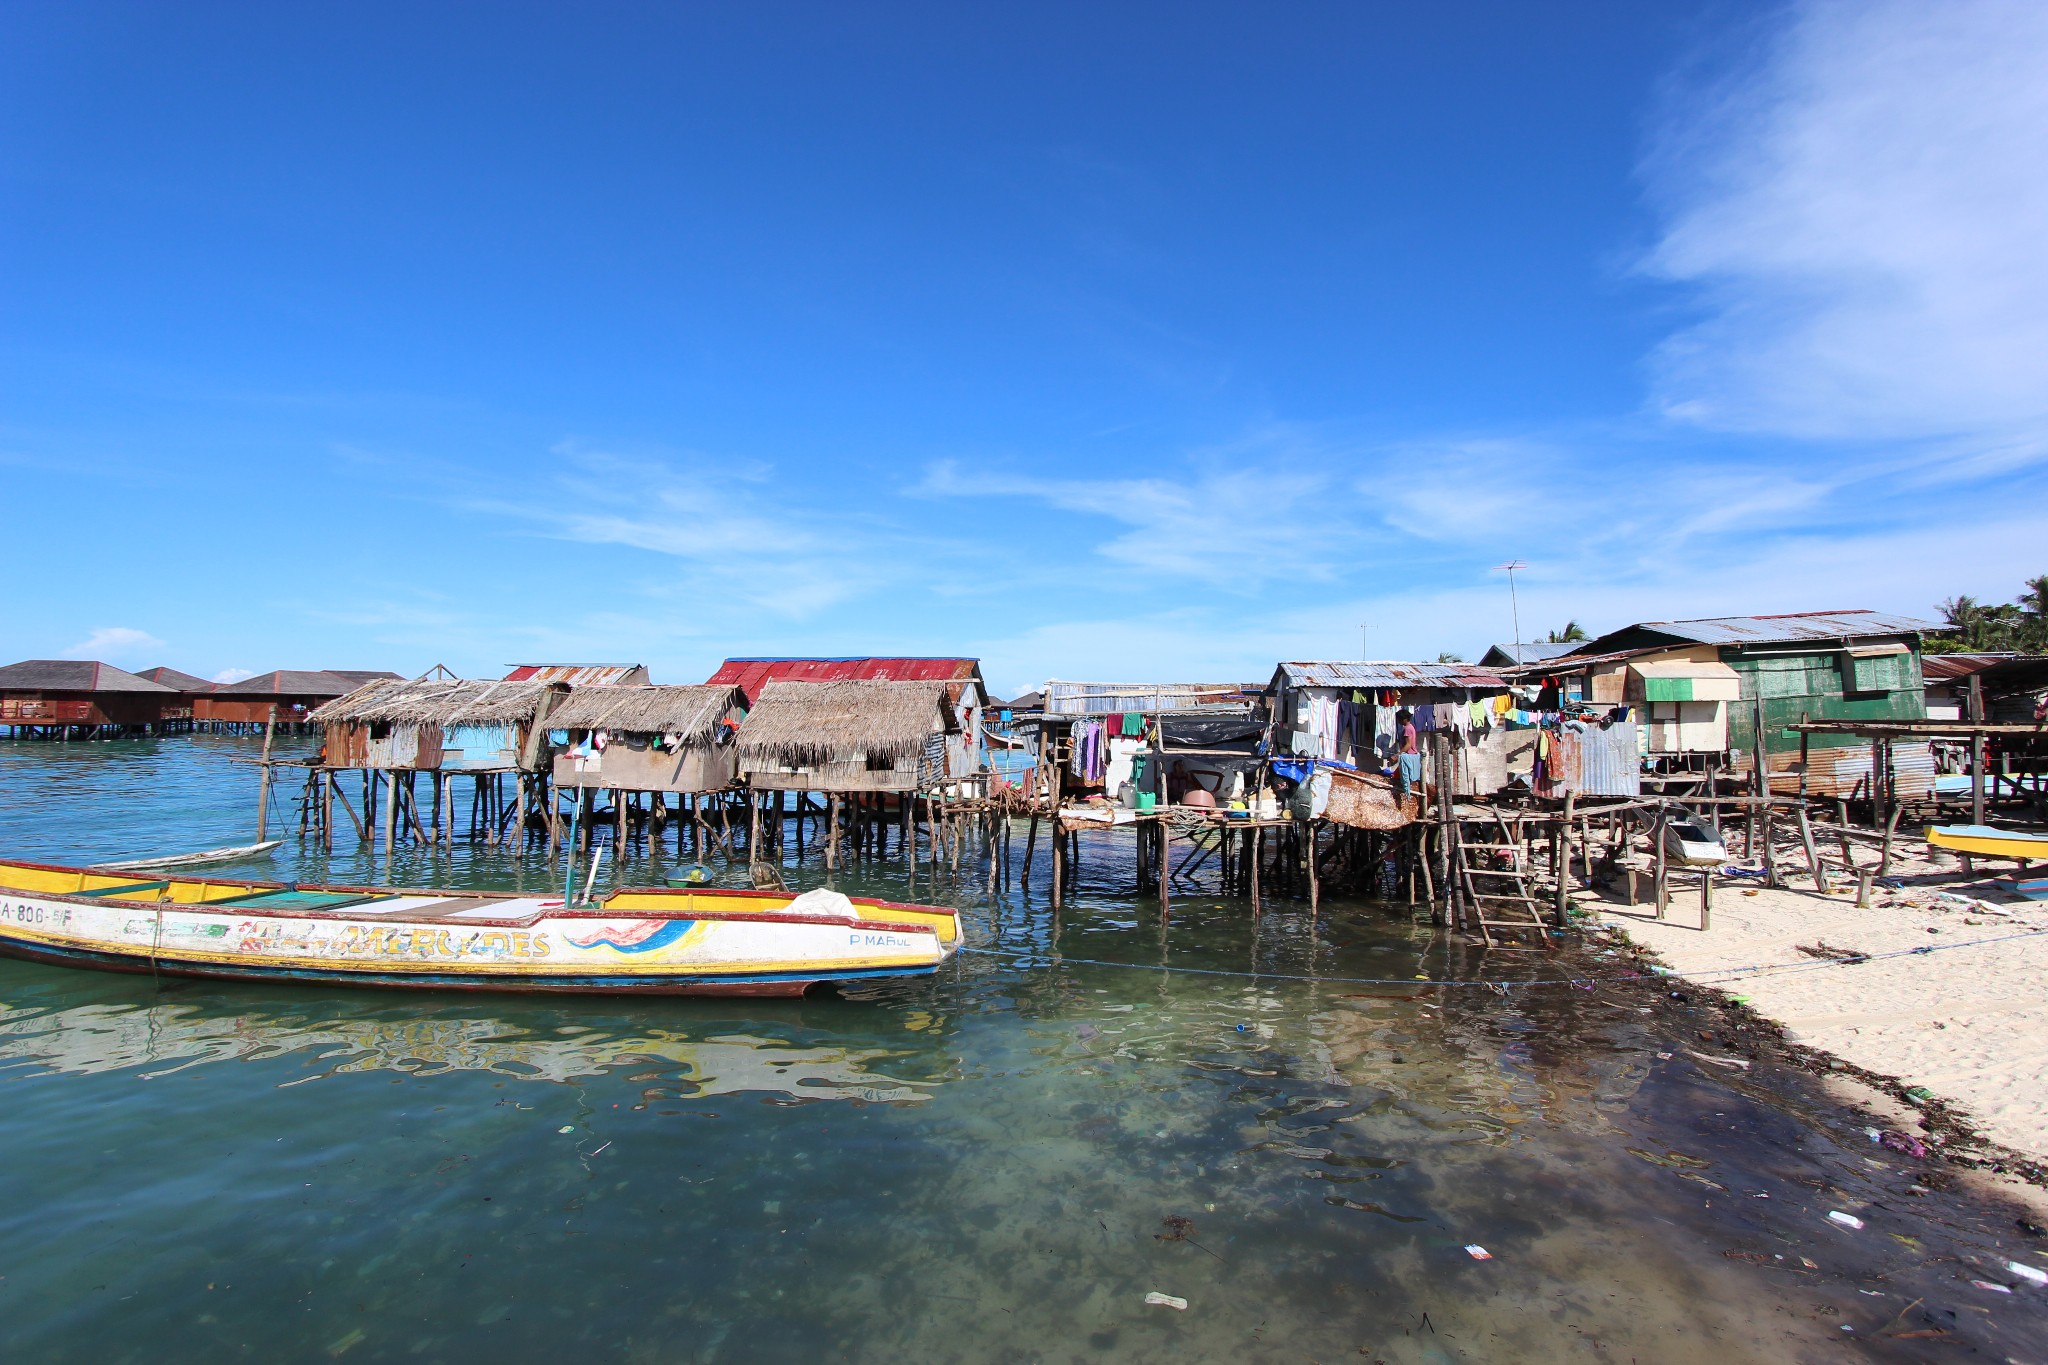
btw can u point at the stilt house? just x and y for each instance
(848, 737)
(73, 695)
(647, 739)
(287, 696)
(188, 688)
(966, 758)
(1706, 689)
(1127, 741)
(401, 725)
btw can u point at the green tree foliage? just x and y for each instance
(1449, 658)
(1572, 633)
(1973, 627)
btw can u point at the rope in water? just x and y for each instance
(1708, 975)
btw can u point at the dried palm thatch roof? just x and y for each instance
(690, 711)
(805, 723)
(402, 701)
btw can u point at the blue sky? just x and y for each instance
(1097, 341)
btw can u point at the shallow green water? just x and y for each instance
(972, 1167)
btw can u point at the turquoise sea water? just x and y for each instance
(977, 1166)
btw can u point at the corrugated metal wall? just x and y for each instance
(1809, 687)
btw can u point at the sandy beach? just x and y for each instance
(1968, 1020)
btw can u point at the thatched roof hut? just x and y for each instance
(668, 739)
(440, 701)
(690, 712)
(847, 736)
(422, 724)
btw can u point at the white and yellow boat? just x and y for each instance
(656, 941)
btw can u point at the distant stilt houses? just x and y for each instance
(284, 699)
(178, 714)
(390, 731)
(82, 699)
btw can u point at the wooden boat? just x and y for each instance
(1987, 842)
(655, 941)
(211, 855)
(1690, 841)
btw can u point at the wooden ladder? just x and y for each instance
(1512, 907)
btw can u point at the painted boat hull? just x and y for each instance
(637, 942)
(211, 855)
(1988, 842)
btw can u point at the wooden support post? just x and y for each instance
(327, 812)
(1820, 878)
(263, 783)
(390, 809)
(832, 832)
(1884, 854)
(1165, 865)
(1258, 856)
(1662, 890)
(1315, 885)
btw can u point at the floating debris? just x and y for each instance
(1847, 1220)
(1478, 1253)
(1166, 1301)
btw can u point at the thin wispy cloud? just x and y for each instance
(1236, 528)
(739, 539)
(1861, 214)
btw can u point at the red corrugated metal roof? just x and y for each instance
(750, 675)
(580, 675)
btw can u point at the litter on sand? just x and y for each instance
(2027, 1272)
(1847, 1220)
(1994, 1288)
(1166, 1301)
(1478, 1253)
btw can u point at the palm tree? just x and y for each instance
(1571, 634)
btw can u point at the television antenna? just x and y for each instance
(1513, 604)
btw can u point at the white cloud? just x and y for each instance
(1862, 215)
(115, 643)
(233, 675)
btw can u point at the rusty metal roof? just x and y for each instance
(1108, 699)
(751, 675)
(1948, 667)
(1798, 625)
(580, 675)
(1385, 673)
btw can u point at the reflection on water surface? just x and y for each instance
(995, 1164)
